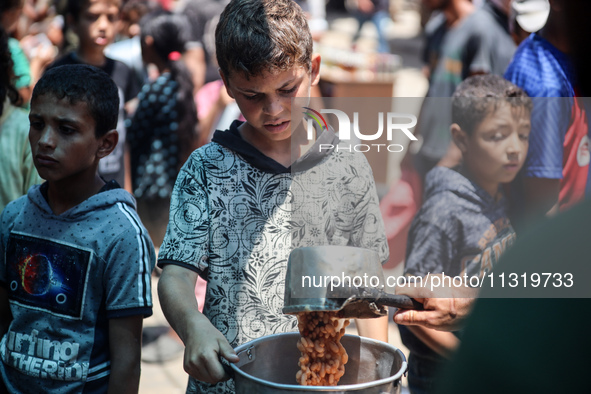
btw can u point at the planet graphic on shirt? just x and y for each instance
(36, 274)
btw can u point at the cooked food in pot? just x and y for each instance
(323, 357)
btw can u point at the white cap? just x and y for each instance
(531, 15)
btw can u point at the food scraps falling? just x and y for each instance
(323, 357)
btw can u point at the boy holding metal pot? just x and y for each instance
(244, 201)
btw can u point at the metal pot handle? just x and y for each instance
(400, 301)
(380, 297)
(244, 359)
(227, 368)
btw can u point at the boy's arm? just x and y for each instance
(5, 313)
(373, 328)
(204, 344)
(445, 309)
(125, 344)
(127, 299)
(443, 343)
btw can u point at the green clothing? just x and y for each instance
(22, 70)
(17, 171)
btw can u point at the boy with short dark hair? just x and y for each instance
(75, 260)
(94, 22)
(244, 201)
(462, 227)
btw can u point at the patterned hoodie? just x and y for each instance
(460, 229)
(236, 214)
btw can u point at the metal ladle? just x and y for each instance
(311, 283)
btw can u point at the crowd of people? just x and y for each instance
(115, 159)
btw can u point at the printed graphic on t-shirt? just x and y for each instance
(47, 275)
(39, 357)
(493, 243)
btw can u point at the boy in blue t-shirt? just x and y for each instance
(75, 261)
(462, 227)
(556, 173)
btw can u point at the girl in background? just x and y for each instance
(161, 136)
(163, 131)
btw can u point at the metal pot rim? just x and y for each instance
(295, 387)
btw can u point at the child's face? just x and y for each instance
(62, 138)
(97, 24)
(265, 100)
(496, 150)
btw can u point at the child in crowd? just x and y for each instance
(33, 33)
(556, 174)
(94, 22)
(75, 260)
(129, 49)
(17, 172)
(162, 133)
(244, 201)
(10, 11)
(462, 227)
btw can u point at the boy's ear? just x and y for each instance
(459, 136)
(225, 79)
(108, 142)
(315, 74)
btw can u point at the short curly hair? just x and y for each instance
(479, 95)
(257, 36)
(81, 82)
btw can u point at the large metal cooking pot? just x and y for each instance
(268, 365)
